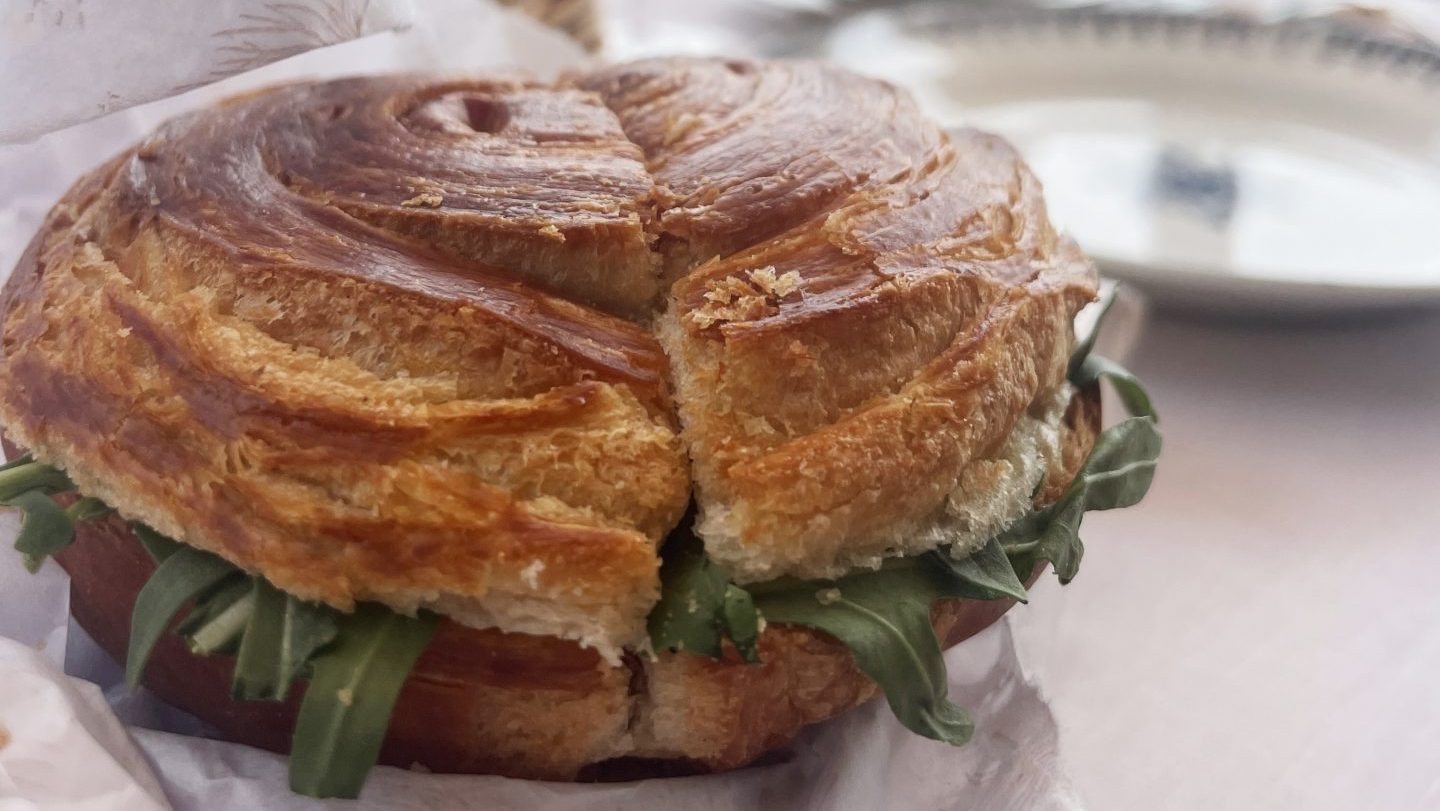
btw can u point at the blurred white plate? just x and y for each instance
(1215, 163)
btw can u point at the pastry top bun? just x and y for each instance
(471, 344)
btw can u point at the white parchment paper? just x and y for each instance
(63, 746)
(64, 741)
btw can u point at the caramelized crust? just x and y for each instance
(395, 338)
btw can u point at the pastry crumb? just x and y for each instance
(828, 596)
(678, 127)
(428, 199)
(530, 575)
(775, 286)
(553, 233)
(756, 426)
(755, 296)
(346, 696)
(4, 737)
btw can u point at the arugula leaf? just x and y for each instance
(986, 574)
(1117, 473)
(216, 623)
(281, 636)
(884, 618)
(347, 706)
(23, 459)
(697, 603)
(45, 529)
(1132, 394)
(1052, 534)
(1086, 368)
(31, 476)
(1086, 344)
(1121, 466)
(180, 578)
(741, 622)
(214, 601)
(87, 508)
(158, 546)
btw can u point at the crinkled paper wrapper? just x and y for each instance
(84, 741)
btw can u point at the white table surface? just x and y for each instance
(1264, 631)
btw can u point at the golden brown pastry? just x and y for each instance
(473, 346)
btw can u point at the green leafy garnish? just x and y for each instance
(987, 574)
(741, 622)
(1086, 344)
(282, 634)
(1116, 474)
(1052, 535)
(183, 576)
(698, 605)
(87, 509)
(1086, 368)
(44, 530)
(884, 618)
(1132, 394)
(1121, 466)
(347, 706)
(156, 545)
(20, 476)
(358, 662)
(216, 623)
(23, 459)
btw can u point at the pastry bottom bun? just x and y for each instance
(488, 702)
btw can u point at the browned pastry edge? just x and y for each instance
(488, 702)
